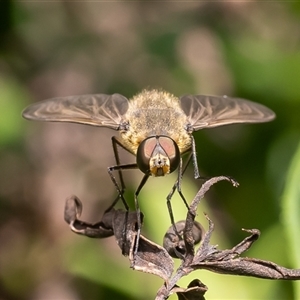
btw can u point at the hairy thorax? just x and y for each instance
(153, 113)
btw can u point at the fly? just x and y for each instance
(154, 125)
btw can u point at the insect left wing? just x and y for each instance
(212, 111)
(97, 110)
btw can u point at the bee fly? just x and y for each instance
(154, 125)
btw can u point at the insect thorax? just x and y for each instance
(154, 113)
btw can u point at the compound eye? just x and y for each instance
(172, 151)
(144, 154)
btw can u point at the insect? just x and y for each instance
(154, 125)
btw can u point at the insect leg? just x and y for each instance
(177, 185)
(115, 143)
(119, 189)
(138, 211)
(120, 192)
(194, 156)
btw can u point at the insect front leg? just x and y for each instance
(138, 211)
(177, 185)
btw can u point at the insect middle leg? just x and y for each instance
(120, 191)
(115, 143)
(120, 188)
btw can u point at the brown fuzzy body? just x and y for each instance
(154, 113)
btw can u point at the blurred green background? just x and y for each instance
(47, 49)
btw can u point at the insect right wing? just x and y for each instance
(212, 111)
(97, 110)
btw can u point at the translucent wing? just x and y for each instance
(97, 110)
(212, 111)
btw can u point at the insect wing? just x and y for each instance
(97, 110)
(212, 111)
